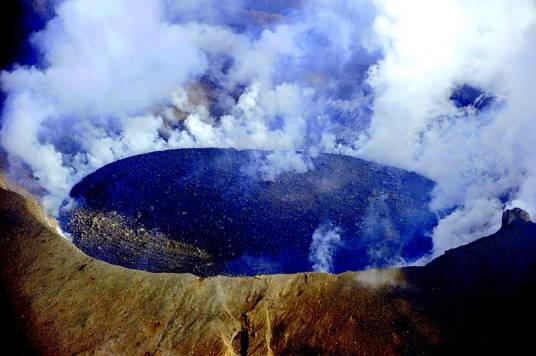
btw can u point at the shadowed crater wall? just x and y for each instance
(209, 211)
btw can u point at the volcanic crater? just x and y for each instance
(211, 211)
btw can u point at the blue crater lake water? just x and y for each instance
(357, 213)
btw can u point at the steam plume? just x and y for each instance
(385, 80)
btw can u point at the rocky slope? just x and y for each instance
(56, 300)
(110, 234)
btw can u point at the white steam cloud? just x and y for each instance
(102, 62)
(430, 48)
(366, 78)
(270, 165)
(326, 239)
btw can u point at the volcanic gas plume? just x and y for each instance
(443, 89)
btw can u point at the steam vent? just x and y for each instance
(215, 211)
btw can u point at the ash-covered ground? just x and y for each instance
(218, 211)
(108, 234)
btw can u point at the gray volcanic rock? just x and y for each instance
(111, 233)
(219, 201)
(515, 216)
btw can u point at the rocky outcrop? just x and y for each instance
(112, 237)
(514, 217)
(56, 300)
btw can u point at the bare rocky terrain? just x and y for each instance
(58, 301)
(67, 303)
(110, 233)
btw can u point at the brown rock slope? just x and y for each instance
(475, 299)
(59, 301)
